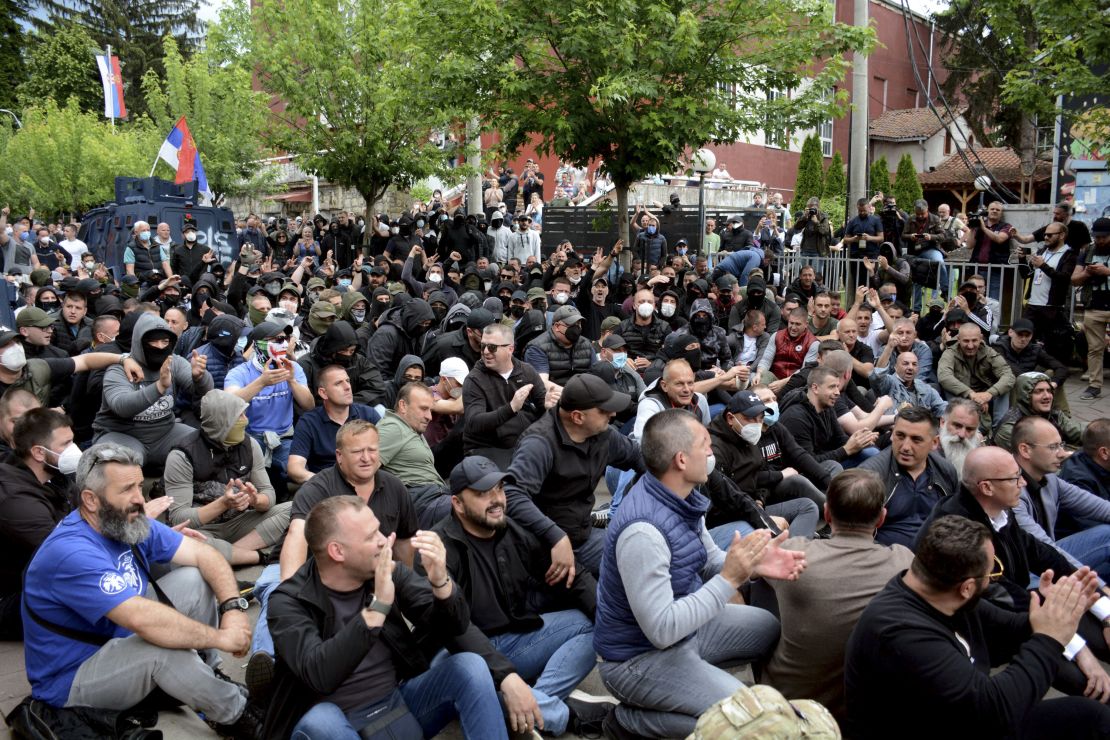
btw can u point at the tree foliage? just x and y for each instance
(133, 28)
(836, 181)
(639, 83)
(68, 159)
(12, 67)
(880, 175)
(225, 115)
(61, 64)
(907, 188)
(811, 176)
(362, 92)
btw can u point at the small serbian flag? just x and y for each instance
(180, 152)
(112, 80)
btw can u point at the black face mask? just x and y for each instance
(341, 359)
(170, 300)
(504, 301)
(155, 356)
(439, 313)
(700, 326)
(573, 332)
(539, 305)
(971, 298)
(516, 311)
(47, 306)
(693, 356)
(755, 300)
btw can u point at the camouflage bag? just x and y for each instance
(761, 712)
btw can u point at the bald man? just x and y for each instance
(974, 370)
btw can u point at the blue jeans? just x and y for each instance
(280, 453)
(801, 514)
(933, 255)
(457, 686)
(1091, 547)
(267, 581)
(554, 659)
(663, 692)
(617, 481)
(739, 264)
(588, 554)
(857, 459)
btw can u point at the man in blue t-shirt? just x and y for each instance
(271, 382)
(89, 579)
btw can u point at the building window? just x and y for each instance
(825, 131)
(882, 92)
(947, 141)
(778, 138)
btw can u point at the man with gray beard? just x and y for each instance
(93, 636)
(959, 432)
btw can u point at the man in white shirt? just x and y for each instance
(73, 245)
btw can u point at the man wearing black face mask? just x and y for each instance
(756, 299)
(338, 242)
(464, 342)
(404, 240)
(337, 346)
(561, 352)
(400, 332)
(975, 311)
(140, 415)
(223, 350)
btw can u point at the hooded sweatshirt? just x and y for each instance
(140, 410)
(1071, 431)
(399, 334)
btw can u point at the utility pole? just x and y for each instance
(474, 161)
(857, 167)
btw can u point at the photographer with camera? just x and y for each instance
(926, 240)
(815, 228)
(988, 236)
(893, 218)
(1046, 295)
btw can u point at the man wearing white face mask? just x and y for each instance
(644, 331)
(36, 375)
(36, 496)
(187, 257)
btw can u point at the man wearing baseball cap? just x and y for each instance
(444, 432)
(1092, 272)
(496, 563)
(561, 352)
(556, 466)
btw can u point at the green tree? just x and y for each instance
(12, 66)
(362, 97)
(880, 176)
(134, 29)
(68, 159)
(811, 177)
(638, 84)
(907, 189)
(226, 117)
(61, 64)
(836, 181)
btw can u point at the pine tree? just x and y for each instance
(836, 182)
(811, 178)
(13, 70)
(907, 189)
(880, 176)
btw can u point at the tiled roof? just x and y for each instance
(905, 124)
(1002, 162)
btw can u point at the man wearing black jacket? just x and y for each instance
(918, 663)
(500, 567)
(813, 421)
(344, 651)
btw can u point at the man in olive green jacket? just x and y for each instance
(971, 369)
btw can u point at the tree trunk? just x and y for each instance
(622, 225)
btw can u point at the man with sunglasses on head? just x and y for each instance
(502, 396)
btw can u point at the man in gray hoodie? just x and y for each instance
(140, 415)
(219, 484)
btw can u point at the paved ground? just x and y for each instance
(185, 725)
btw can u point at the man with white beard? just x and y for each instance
(959, 432)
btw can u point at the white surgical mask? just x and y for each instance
(67, 459)
(751, 433)
(395, 230)
(667, 309)
(645, 310)
(435, 277)
(772, 413)
(191, 236)
(290, 306)
(488, 284)
(144, 236)
(13, 358)
(44, 240)
(561, 296)
(710, 465)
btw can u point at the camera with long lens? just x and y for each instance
(975, 218)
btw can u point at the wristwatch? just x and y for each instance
(379, 606)
(236, 602)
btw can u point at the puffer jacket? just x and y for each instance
(1071, 431)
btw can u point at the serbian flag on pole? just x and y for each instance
(180, 152)
(112, 80)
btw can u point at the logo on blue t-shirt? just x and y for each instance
(126, 576)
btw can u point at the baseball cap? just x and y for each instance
(613, 341)
(7, 335)
(475, 472)
(479, 319)
(1023, 325)
(33, 316)
(583, 392)
(609, 323)
(746, 403)
(188, 227)
(315, 283)
(534, 293)
(567, 314)
(454, 368)
(265, 330)
(1101, 227)
(377, 270)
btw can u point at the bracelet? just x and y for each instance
(441, 585)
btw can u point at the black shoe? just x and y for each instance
(247, 727)
(260, 677)
(224, 677)
(614, 730)
(586, 717)
(1090, 394)
(599, 517)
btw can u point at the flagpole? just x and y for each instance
(113, 109)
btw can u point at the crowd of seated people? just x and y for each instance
(411, 444)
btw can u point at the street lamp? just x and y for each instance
(982, 182)
(18, 123)
(703, 161)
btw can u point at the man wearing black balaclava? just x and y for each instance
(338, 346)
(400, 332)
(756, 298)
